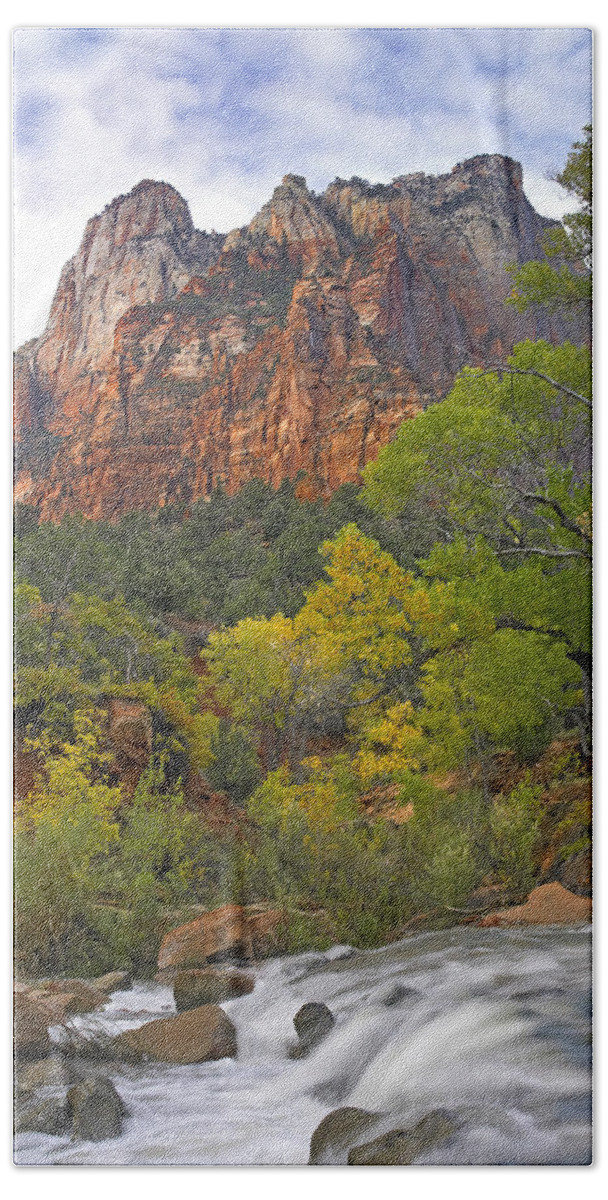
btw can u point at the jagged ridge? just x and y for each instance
(174, 358)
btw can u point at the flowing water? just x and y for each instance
(492, 1025)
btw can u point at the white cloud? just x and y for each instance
(223, 115)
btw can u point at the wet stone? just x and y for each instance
(313, 1021)
(337, 1132)
(51, 1116)
(97, 1110)
(395, 993)
(399, 1147)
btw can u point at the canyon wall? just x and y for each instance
(174, 359)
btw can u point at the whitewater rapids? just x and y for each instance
(493, 1026)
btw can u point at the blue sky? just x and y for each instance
(223, 114)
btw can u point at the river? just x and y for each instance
(493, 1025)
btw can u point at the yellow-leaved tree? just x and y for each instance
(65, 828)
(367, 621)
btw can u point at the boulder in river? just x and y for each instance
(51, 1115)
(44, 1072)
(394, 993)
(191, 989)
(549, 904)
(113, 981)
(199, 1035)
(339, 953)
(399, 1147)
(337, 1132)
(60, 998)
(214, 936)
(81, 996)
(264, 925)
(96, 1109)
(31, 1033)
(313, 1022)
(228, 934)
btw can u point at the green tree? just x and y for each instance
(568, 284)
(361, 621)
(89, 649)
(234, 769)
(501, 467)
(249, 670)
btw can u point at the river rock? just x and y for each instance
(338, 953)
(549, 904)
(336, 1134)
(97, 1110)
(57, 1008)
(199, 1035)
(313, 1022)
(45, 1072)
(192, 989)
(221, 934)
(394, 993)
(228, 934)
(399, 1147)
(30, 1028)
(113, 981)
(65, 997)
(264, 926)
(52, 1115)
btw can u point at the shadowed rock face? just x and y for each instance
(192, 989)
(173, 359)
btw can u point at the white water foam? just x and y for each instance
(494, 1027)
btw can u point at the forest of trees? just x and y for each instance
(310, 659)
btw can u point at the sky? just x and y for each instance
(223, 114)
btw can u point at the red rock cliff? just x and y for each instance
(173, 359)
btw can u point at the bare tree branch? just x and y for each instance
(546, 553)
(561, 387)
(566, 521)
(582, 658)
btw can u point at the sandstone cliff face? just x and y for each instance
(174, 359)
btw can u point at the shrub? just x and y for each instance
(311, 847)
(452, 872)
(443, 845)
(235, 769)
(514, 823)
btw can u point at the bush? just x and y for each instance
(93, 881)
(142, 927)
(52, 910)
(514, 823)
(235, 769)
(311, 847)
(452, 872)
(161, 839)
(65, 830)
(443, 845)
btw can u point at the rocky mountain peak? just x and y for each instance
(173, 358)
(151, 209)
(143, 248)
(295, 183)
(498, 167)
(295, 215)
